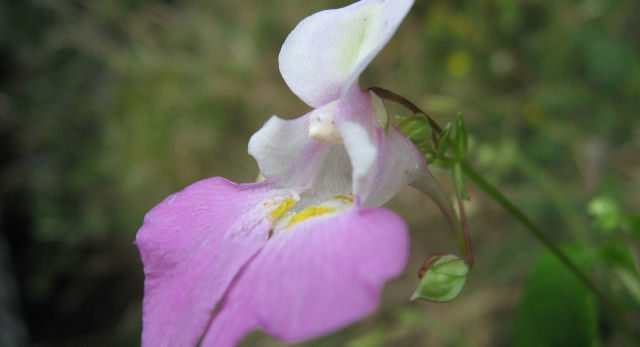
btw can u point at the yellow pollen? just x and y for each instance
(283, 207)
(344, 198)
(309, 212)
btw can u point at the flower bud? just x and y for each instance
(443, 279)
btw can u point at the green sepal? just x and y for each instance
(458, 182)
(442, 142)
(417, 129)
(424, 147)
(461, 138)
(443, 280)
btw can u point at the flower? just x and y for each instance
(307, 250)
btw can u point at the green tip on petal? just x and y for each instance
(443, 280)
(382, 116)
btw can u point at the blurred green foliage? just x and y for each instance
(551, 286)
(106, 107)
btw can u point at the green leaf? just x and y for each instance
(443, 280)
(556, 309)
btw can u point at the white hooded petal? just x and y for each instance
(383, 160)
(327, 51)
(289, 157)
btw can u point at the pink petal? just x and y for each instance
(327, 51)
(192, 245)
(314, 278)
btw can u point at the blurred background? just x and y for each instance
(107, 107)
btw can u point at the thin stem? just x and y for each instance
(429, 186)
(465, 229)
(427, 263)
(490, 190)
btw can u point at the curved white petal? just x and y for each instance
(383, 160)
(288, 157)
(279, 144)
(361, 145)
(327, 51)
(399, 163)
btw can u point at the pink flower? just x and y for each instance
(306, 251)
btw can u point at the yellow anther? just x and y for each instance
(309, 212)
(344, 198)
(283, 207)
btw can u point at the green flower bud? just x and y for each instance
(443, 279)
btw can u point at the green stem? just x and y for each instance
(609, 305)
(464, 226)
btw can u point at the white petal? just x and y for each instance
(399, 163)
(327, 51)
(288, 157)
(363, 152)
(383, 161)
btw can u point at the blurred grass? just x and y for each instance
(106, 107)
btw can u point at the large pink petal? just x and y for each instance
(192, 245)
(314, 278)
(327, 51)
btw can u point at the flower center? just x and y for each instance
(284, 219)
(309, 212)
